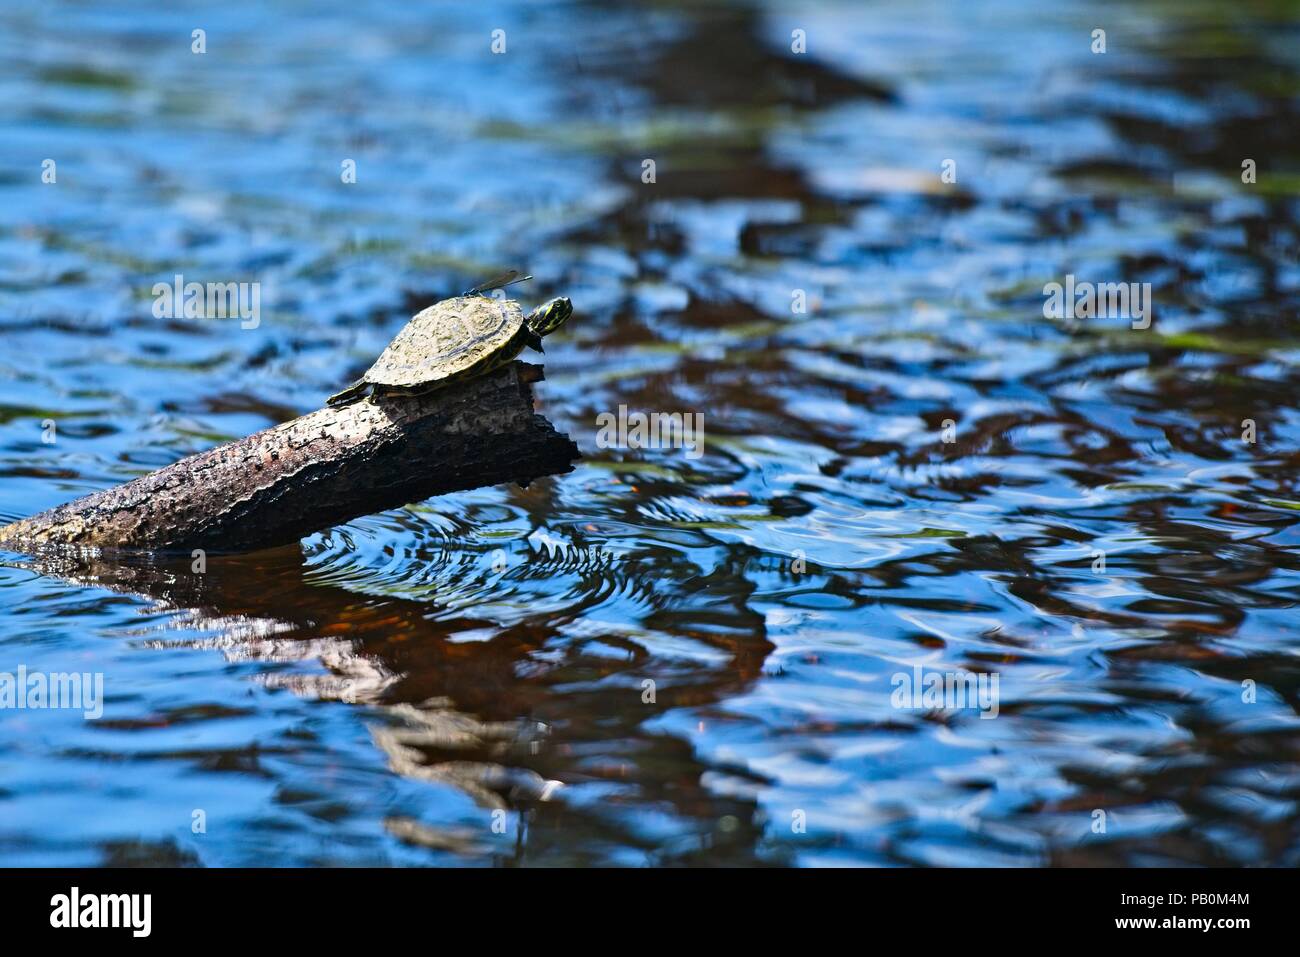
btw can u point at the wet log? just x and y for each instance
(322, 469)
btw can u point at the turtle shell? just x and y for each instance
(447, 340)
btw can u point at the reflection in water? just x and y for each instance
(660, 659)
(441, 699)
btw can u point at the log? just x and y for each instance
(319, 470)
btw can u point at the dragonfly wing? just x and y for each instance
(508, 278)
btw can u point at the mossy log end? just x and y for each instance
(322, 469)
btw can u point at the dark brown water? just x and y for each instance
(918, 470)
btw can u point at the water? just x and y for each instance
(375, 694)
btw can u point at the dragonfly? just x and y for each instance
(507, 278)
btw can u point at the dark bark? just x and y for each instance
(322, 469)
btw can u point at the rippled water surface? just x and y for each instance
(1097, 535)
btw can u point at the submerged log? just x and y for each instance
(322, 469)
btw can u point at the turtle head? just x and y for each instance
(549, 316)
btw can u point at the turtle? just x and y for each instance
(457, 339)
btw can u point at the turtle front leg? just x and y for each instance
(354, 391)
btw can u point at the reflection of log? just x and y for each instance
(465, 714)
(319, 470)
